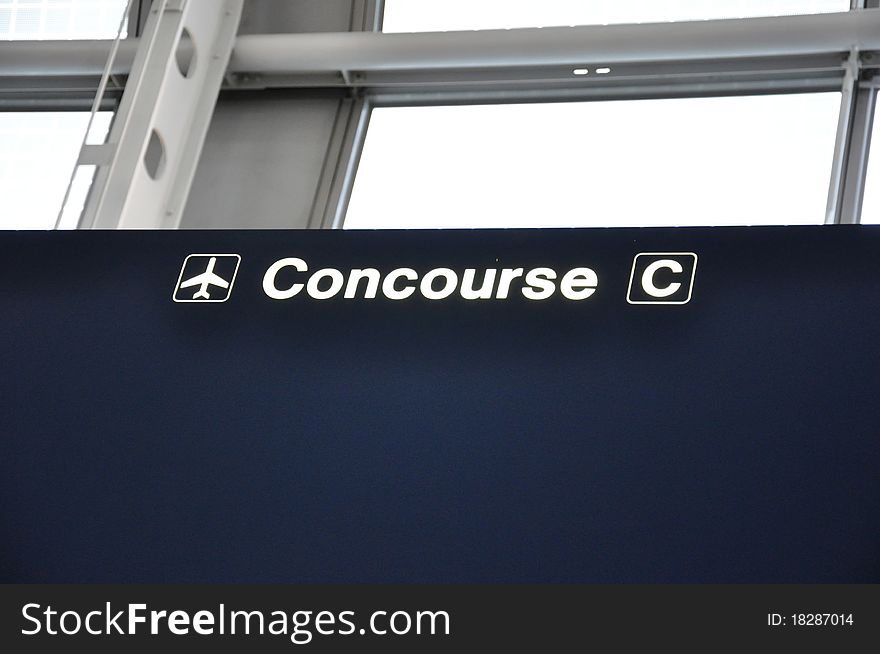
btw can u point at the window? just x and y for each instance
(871, 206)
(705, 161)
(38, 152)
(60, 19)
(449, 15)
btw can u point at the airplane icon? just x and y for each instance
(212, 264)
(205, 280)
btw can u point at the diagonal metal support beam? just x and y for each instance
(146, 167)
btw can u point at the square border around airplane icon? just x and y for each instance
(177, 287)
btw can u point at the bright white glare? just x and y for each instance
(38, 152)
(451, 15)
(705, 161)
(871, 206)
(30, 20)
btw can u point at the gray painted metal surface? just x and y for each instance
(289, 154)
(145, 175)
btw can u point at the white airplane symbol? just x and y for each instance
(206, 279)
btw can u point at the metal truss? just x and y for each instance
(145, 169)
(795, 54)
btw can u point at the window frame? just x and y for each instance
(854, 77)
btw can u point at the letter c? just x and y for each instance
(648, 278)
(89, 629)
(269, 286)
(393, 293)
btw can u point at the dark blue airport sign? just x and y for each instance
(655, 405)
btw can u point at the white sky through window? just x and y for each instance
(703, 161)
(450, 15)
(871, 206)
(38, 152)
(28, 20)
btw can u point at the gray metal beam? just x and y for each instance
(812, 69)
(651, 89)
(139, 10)
(366, 52)
(849, 92)
(347, 140)
(366, 15)
(854, 129)
(601, 45)
(63, 58)
(852, 144)
(73, 93)
(790, 54)
(146, 167)
(858, 151)
(340, 166)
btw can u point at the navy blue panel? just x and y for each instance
(735, 438)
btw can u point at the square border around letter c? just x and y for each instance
(632, 276)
